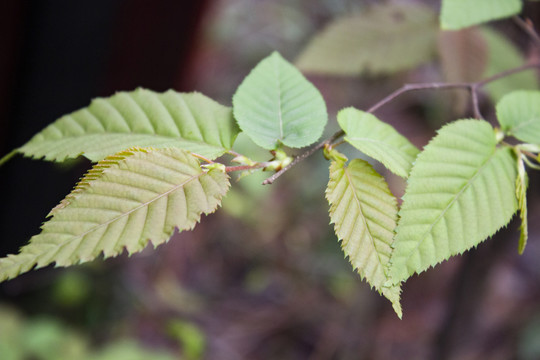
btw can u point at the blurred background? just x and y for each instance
(264, 277)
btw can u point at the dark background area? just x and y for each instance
(267, 281)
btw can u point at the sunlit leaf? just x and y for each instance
(519, 115)
(364, 213)
(276, 104)
(142, 117)
(383, 39)
(378, 140)
(125, 201)
(461, 190)
(458, 14)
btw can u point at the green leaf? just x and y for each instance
(458, 14)
(519, 115)
(142, 117)
(522, 182)
(504, 55)
(378, 140)
(384, 39)
(276, 104)
(364, 213)
(460, 191)
(125, 201)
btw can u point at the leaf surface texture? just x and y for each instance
(364, 213)
(276, 104)
(460, 191)
(519, 115)
(378, 140)
(125, 201)
(189, 121)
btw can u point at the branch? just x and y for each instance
(303, 156)
(414, 87)
(473, 88)
(528, 27)
(246, 167)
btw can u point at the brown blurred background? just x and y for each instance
(264, 278)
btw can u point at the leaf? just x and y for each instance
(384, 39)
(504, 55)
(378, 140)
(522, 182)
(519, 115)
(142, 117)
(460, 191)
(458, 14)
(364, 213)
(125, 201)
(276, 104)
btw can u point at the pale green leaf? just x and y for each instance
(519, 115)
(276, 104)
(364, 213)
(378, 140)
(504, 55)
(461, 190)
(522, 182)
(383, 39)
(458, 14)
(142, 117)
(125, 201)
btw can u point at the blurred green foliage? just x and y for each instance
(44, 338)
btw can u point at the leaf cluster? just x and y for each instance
(162, 158)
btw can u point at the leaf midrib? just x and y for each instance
(466, 186)
(167, 139)
(364, 220)
(174, 188)
(278, 85)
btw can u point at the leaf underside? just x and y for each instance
(364, 213)
(458, 14)
(519, 115)
(189, 121)
(460, 191)
(378, 140)
(384, 39)
(276, 104)
(125, 201)
(522, 182)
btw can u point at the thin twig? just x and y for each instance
(303, 156)
(234, 153)
(246, 167)
(473, 88)
(414, 87)
(475, 102)
(528, 27)
(202, 158)
(506, 73)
